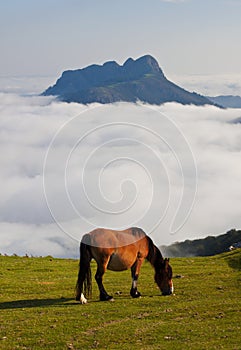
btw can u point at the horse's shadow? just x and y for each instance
(31, 303)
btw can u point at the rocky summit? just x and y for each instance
(136, 80)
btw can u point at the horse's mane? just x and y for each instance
(154, 255)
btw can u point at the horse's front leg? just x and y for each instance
(104, 296)
(135, 269)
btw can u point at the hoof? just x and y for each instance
(135, 294)
(106, 298)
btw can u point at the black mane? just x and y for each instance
(154, 255)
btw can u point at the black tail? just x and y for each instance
(84, 276)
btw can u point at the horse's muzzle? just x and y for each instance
(168, 291)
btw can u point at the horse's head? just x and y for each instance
(163, 277)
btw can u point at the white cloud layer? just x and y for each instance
(25, 85)
(210, 85)
(114, 166)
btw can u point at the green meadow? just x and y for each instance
(38, 308)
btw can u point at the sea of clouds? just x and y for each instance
(209, 84)
(66, 168)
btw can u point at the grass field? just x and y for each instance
(38, 310)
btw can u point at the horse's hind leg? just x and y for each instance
(135, 269)
(104, 296)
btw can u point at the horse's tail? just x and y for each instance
(84, 282)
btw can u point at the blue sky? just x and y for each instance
(187, 37)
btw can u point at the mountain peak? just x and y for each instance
(141, 79)
(111, 64)
(128, 62)
(145, 64)
(150, 62)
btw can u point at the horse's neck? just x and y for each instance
(158, 259)
(154, 256)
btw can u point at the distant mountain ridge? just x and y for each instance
(227, 101)
(136, 80)
(203, 247)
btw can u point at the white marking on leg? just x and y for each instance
(134, 283)
(83, 300)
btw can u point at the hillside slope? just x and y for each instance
(228, 101)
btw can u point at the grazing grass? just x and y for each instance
(38, 310)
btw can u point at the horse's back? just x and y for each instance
(107, 238)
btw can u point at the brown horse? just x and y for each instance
(118, 251)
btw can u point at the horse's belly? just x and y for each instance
(118, 263)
